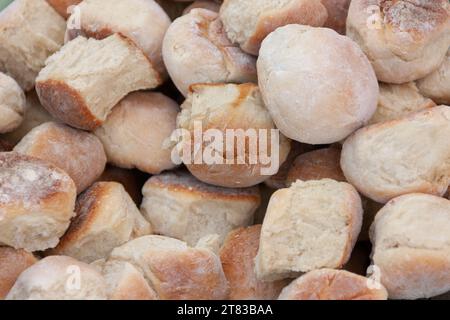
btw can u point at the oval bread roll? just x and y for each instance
(403, 156)
(12, 104)
(37, 201)
(436, 85)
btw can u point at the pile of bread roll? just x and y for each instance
(93, 206)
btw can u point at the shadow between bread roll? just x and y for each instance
(337, 14)
(12, 104)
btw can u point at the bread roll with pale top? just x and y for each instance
(12, 104)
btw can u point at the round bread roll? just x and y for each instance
(59, 278)
(179, 206)
(320, 87)
(174, 270)
(337, 14)
(311, 225)
(77, 152)
(142, 21)
(234, 112)
(63, 6)
(411, 246)
(403, 156)
(135, 132)
(248, 22)
(12, 264)
(12, 104)
(329, 284)
(37, 201)
(202, 4)
(436, 85)
(238, 261)
(405, 39)
(106, 217)
(396, 101)
(30, 31)
(316, 165)
(196, 50)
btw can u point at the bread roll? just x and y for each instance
(226, 107)
(405, 39)
(248, 22)
(173, 270)
(63, 6)
(141, 21)
(12, 263)
(436, 85)
(106, 218)
(392, 158)
(179, 206)
(59, 278)
(30, 31)
(135, 132)
(320, 87)
(310, 225)
(316, 165)
(196, 50)
(12, 104)
(87, 78)
(237, 256)
(329, 284)
(411, 246)
(337, 14)
(396, 101)
(202, 4)
(36, 202)
(77, 152)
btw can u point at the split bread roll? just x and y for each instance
(436, 85)
(135, 132)
(239, 112)
(311, 225)
(37, 201)
(397, 101)
(77, 152)
(248, 22)
(196, 50)
(174, 270)
(316, 60)
(12, 104)
(12, 263)
(403, 156)
(63, 6)
(238, 261)
(337, 14)
(179, 206)
(30, 31)
(329, 284)
(411, 246)
(143, 22)
(404, 40)
(59, 278)
(106, 217)
(82, 82)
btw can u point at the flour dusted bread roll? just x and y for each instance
(82, 82)
(179, 206)
(436, 85)
(12, 104)
(397, 157)
(248, 22)
(144, 22)
(77, 152)
(337, 14)
(12, 263)
(239, 112)
(59, 278)
(106, 217)
(405, 39)
(329, 284)
(203, 4)
(174, 270)
(411, 246)
(36, 202)
(63, 6)
(320, 87)
(135, 132)
(237, 255)
(30, 31)
(310, 225)
(397, 101)
(196, 50)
